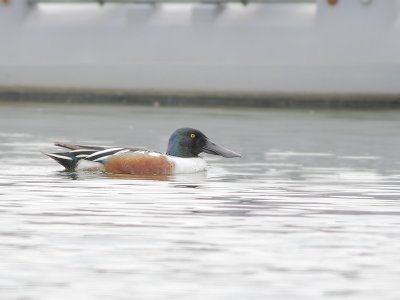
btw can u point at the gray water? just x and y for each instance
(311, 210)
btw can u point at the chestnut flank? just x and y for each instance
(138, 164)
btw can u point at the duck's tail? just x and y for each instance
(67, 159)
(97, 154)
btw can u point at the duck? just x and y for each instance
(181, 157)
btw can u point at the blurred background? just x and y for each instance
(267, 50)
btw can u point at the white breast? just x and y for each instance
(187, 165)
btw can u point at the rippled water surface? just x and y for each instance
(311, 211)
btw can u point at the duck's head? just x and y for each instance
(189, 142)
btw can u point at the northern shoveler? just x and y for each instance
(182, 156)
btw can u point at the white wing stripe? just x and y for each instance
(122, 151)
(104, 156)
(104, 152)
(101, 158)
(60, 156)
(107, 156)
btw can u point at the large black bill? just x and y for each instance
(214, 149)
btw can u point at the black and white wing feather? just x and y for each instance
(70, 159)
(99, 154)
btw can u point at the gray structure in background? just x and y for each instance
(258, 49)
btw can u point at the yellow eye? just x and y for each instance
(192, 135)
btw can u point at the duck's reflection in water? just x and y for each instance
(69, 175)
(138, 177)
(192, 180)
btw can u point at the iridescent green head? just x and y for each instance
(189, 142)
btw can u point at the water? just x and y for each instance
(311, 211)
